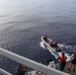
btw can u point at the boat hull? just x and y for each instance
(53, 51)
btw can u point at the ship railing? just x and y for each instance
(30, 63)
(3, 72)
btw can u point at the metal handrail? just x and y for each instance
(30, 63)
(3, 72)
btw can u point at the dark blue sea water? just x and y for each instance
(23, 22)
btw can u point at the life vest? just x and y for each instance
(63, 58)
(55, 43)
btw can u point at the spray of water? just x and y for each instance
(65, 46)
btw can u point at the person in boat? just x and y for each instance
(73, 61)
(45, 37)
(22, 70)
(62, 59)
(53, 44)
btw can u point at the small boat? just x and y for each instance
(55, 51)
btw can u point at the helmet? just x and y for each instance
(55, 43)
(63, 53)
(51, 43)
(45, 36)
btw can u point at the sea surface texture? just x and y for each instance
(23, 22)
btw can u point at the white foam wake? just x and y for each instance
(42, 45)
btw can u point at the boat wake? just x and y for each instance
(67, 48)
(42, 45)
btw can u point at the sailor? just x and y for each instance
(45, 37)
(62, 59)
(73, 61)
(51, 44)
(22, 70)
(55, 44)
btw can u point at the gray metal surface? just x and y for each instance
(3, 72)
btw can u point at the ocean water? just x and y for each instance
(23, 22)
